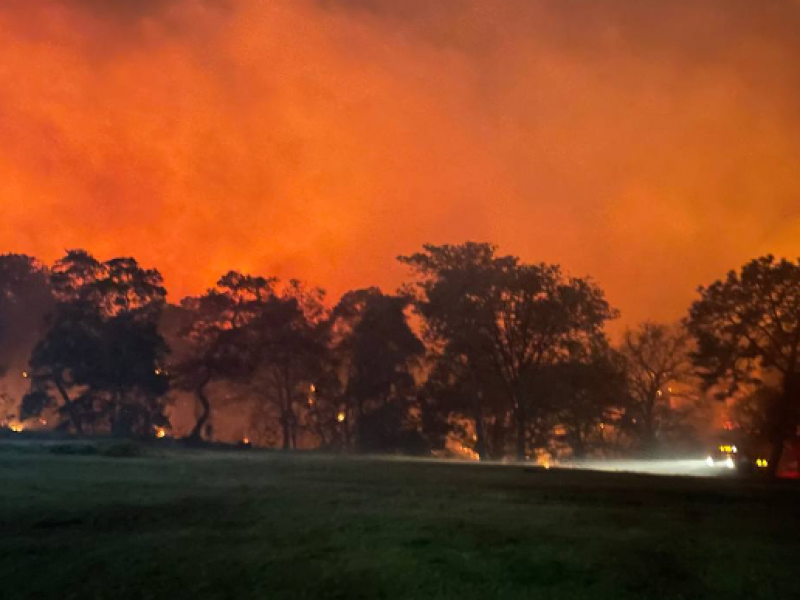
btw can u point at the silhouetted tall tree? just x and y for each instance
(523, 316)
(747, 328)
(25, 299)
(457, 389)
(217, 336)
(584, 396)
(378, 351)
(288, 341)
(659, 373)
(103, 352)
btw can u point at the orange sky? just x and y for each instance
(652, 145)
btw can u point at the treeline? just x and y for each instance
(479, 353)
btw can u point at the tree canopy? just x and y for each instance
(518, 317)
(747, 329)
(103, 352)
(480, 354)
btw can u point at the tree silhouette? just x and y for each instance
(215, 330)
(378, 352)
(103, 352)
(659, 374)
(288, 353)
(747, 329)
(525, 317)
(25, 299)
(583, 397)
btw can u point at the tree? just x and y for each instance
(25, 300)
(584, 397)
(524, 317)
(459, 390)
(103, 352)
(378, 352)
(659, 376)
(288, 352)
(747, 329)
(214, 330)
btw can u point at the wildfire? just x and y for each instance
(469, 453)
(16, 427)
(341, 417)
(160, 432)
(545, 459)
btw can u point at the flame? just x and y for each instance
(161, 432)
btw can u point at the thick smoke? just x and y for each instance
(652, 144)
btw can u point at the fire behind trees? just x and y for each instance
(479, 353)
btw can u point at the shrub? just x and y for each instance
(74, 449)
(122, 450)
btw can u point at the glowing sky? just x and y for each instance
(652, 144)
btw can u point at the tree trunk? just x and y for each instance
(73, 416)
(497, 437)
(775, 455)
(480, 434)
(314, 411)
(359, 428)
(200, 394)
(648, 425)
(291, 418)
(522, 427)
(286, 430)
(578, 447)
(784, 425)
(293, 422)
(649, 442)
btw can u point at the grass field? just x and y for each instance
(179, 524)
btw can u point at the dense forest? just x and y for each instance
(478, 355)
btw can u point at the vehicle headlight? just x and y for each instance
(729, 463)
(710, 461)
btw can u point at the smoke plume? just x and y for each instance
(653, 145)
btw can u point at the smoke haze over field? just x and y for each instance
(653, 145)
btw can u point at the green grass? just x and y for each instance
(178, 524)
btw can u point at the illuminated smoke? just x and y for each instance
(650, 144)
